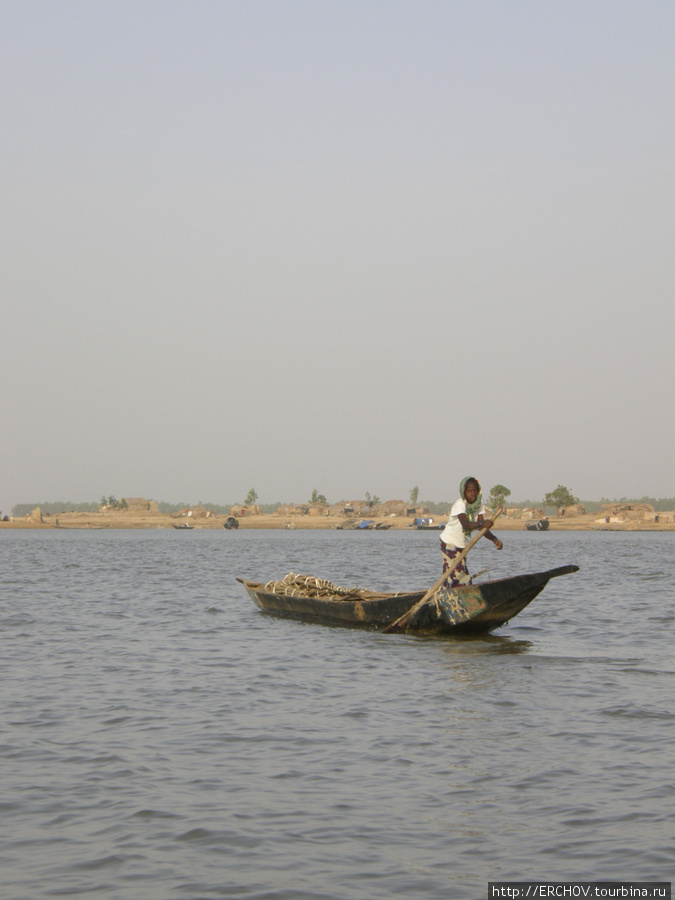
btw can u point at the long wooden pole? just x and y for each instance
(403, 620)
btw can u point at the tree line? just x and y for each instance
(498, 496)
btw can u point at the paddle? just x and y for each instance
(403, 620)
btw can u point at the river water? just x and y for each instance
(162, 739)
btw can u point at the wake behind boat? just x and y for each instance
(473, 608)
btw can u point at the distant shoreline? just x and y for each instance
(121, 519)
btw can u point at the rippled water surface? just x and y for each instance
(161, 738)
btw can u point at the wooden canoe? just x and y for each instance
(539, 525)
(474, 608)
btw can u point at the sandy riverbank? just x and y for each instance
(113, 519)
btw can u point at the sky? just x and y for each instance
(336, 245)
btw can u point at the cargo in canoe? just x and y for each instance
(474, 608)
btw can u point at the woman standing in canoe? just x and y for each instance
(467, 515)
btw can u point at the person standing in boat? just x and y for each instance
(467, 515)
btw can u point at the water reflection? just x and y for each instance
(487, 643)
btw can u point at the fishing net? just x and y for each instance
(308, 586)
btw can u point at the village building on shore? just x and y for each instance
(138, 512)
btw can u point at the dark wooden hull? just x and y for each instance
(540, 525)
(475, 608)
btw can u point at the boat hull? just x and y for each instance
(539, 525)
(474, 608)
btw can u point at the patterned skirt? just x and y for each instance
(461, 574)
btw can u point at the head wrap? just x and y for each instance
(471, 508)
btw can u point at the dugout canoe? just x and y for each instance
(539, 525)
(474, 608)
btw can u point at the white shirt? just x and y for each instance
(453, 533)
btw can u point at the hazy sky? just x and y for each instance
(352, 246)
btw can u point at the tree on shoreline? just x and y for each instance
(113, 502)
(498, 496)
(560, 497)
